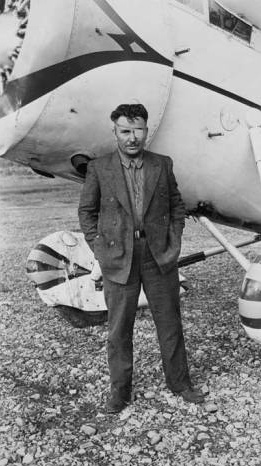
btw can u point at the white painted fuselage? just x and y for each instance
(200, 83)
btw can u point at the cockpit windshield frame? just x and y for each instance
(230, 22)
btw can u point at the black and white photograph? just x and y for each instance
(130, 232)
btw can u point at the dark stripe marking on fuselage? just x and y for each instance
(24, 90)
(214, 88)
(27, 89)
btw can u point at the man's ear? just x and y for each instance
(114, 132)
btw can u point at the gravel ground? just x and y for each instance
(54, 378)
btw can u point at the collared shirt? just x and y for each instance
(134, 176)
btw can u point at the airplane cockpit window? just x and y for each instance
(196, 5)
(226, 20)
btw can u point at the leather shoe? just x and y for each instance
(115, 406)
(191, 395)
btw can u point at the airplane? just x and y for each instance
(195, 65)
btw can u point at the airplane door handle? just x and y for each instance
(214, 135)
(180, 52)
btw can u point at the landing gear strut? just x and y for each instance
(250, 295)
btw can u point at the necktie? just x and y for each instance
(135, 186)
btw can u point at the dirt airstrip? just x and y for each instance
(54, 377)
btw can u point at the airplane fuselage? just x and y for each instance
(196, 67)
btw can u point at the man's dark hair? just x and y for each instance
(131, 112)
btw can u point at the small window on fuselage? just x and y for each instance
(226, 20)
(196, 5)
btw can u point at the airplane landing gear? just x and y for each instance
(60, 266)
(250, 296)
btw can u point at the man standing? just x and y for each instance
(132, 216)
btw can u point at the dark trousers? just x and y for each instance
(162, 292)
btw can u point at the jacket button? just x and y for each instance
(114, 222)
(112, 199)
(112, 243)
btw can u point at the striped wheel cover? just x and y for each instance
(47, 268)
(250, 301)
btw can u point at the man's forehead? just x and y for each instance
(125, 123)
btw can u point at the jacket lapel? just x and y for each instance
(152, 169)
(119, 185)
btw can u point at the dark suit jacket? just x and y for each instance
(106, 218)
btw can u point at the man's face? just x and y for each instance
(130, 135)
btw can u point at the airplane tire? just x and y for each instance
(82, 319)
